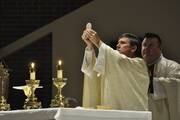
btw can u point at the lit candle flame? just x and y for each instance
(32, 65)
(32, 71)
(59, 62)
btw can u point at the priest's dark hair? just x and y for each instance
(134, 41)
(153, 35)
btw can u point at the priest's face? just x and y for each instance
(151, 50)
(124, 47)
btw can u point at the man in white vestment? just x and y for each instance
(164, 95)
(123, 79)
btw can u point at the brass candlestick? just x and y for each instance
(31, 85)
(4, 75)
(59, 82)
(59, 100)
(3, 104)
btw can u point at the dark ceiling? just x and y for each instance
(20, 17)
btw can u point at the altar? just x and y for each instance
(31, 114)
(74, 114)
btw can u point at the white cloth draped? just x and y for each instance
(32, 114)
(92, 114)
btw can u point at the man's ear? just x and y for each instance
(134, 49)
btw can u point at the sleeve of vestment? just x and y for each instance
(107, 52)
(88, 62)
(171, 83)
(91, 87)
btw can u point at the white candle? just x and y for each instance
(59, 74)
(32, 72)
(59, 70)
(33, 76)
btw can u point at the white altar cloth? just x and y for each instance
(74, 114)
(97, 114)
(32, 114)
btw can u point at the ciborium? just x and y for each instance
(31, 85)
(4, 76)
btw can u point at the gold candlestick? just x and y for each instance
(4, 75)
(31, 85)
(59, 100)
(59, 82)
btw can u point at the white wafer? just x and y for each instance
(89, 26)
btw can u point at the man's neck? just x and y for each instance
(155, 61)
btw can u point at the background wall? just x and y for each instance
(109, 18)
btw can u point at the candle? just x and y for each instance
(59, 70)
(32, 72)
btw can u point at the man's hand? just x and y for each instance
(92, 36)
(85, 37)
(86, 40)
